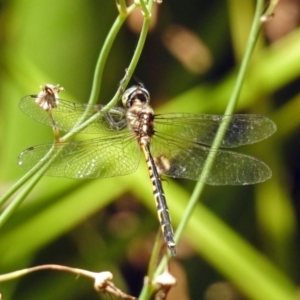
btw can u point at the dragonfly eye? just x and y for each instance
(135, 94)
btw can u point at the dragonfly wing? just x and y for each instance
(66, 115)
(34, 111)
(100, 157)
(242, 129)
(180, 159)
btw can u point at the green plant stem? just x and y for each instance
(220, 134)
(154, 258)
(121, 4)
(33, 176)
(270, 10)
(104, 54)
(24, 179)
(12, 207)
(93, 98)
(135, 58)
(4, 198)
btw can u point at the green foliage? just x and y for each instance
(246, 234)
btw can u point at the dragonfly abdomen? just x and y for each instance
(161, 203)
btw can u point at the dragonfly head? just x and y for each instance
(135, 94)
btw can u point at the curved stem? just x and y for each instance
(97, 80)
(221, 131)
(48, 158)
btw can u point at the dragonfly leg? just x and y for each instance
(116, 121)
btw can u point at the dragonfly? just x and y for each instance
(173, 144)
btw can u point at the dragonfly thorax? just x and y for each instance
(140, 118)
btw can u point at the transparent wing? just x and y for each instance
(202, 128)
(100, 157)
(67, 114)
(179, 159)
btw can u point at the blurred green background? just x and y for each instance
(189, 64)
